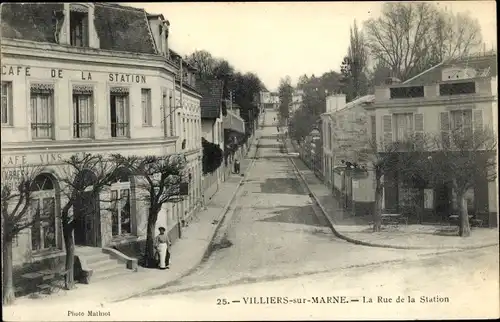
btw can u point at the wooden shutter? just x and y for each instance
(419, 129)
(477, 120)
(445, 128)
(374, 128)
(387, 125)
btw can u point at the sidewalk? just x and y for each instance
(187, 253)
(402, 237)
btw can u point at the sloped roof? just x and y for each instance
(477, 62)
(119, 28)
(211, 101)
(359, 101)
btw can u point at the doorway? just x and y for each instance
(87, 220)
(443, 201)
(86, 211)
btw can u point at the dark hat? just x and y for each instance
(161, 229)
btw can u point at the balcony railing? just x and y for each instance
(119, 130)
(82, 130)
(41, 130)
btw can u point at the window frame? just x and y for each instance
(35, 125)
(9, 104)
(123, 127)
(77, 126)
(82, 20)
(40, 196)
(117, 188)
(409, 130)
(452, 89)
(146, 107)
(406, 92)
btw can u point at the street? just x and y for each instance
(274, 234)
(274, 249)
(461, 284)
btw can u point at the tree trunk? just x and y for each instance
(70, 249)
(8, 283)
(377, 211)
(149, 255)
(464, 230)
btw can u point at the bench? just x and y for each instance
(49, 280)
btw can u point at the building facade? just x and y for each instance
(346, 131)
(451, 94)
(96, 78)
(212, 105)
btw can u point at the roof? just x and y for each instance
(119, 28)
(357, 102)
(211, 101)
(480, 62)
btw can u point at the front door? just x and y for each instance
(443, 201)
(87, 220)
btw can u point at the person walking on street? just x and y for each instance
(236, 166)
(162, 243)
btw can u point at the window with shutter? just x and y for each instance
(419, 129)
(387, 125)
(445, 129)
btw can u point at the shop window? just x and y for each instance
(42, 107)
(82, 112)
(45, 233)
(6, 103)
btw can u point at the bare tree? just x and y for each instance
(382, 158)
(204, 62)
(84, 175)
(161, 180)
(410, 37)
(16, 217)
(461, 156)
(455, 36)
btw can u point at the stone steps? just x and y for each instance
(103, 265)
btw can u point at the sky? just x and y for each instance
(275, 39)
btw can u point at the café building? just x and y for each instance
(96, 78)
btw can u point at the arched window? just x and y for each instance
(45, 230)
(120, 208)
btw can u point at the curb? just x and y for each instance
(207, 247)
(369, 244)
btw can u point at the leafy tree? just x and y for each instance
(301, 124)
(410, 37)
(353, 66)
(212, 156)
(84, 175)
(461, 157)
(285, 92)
(159, 180)
(16, 217)
(203, 61)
